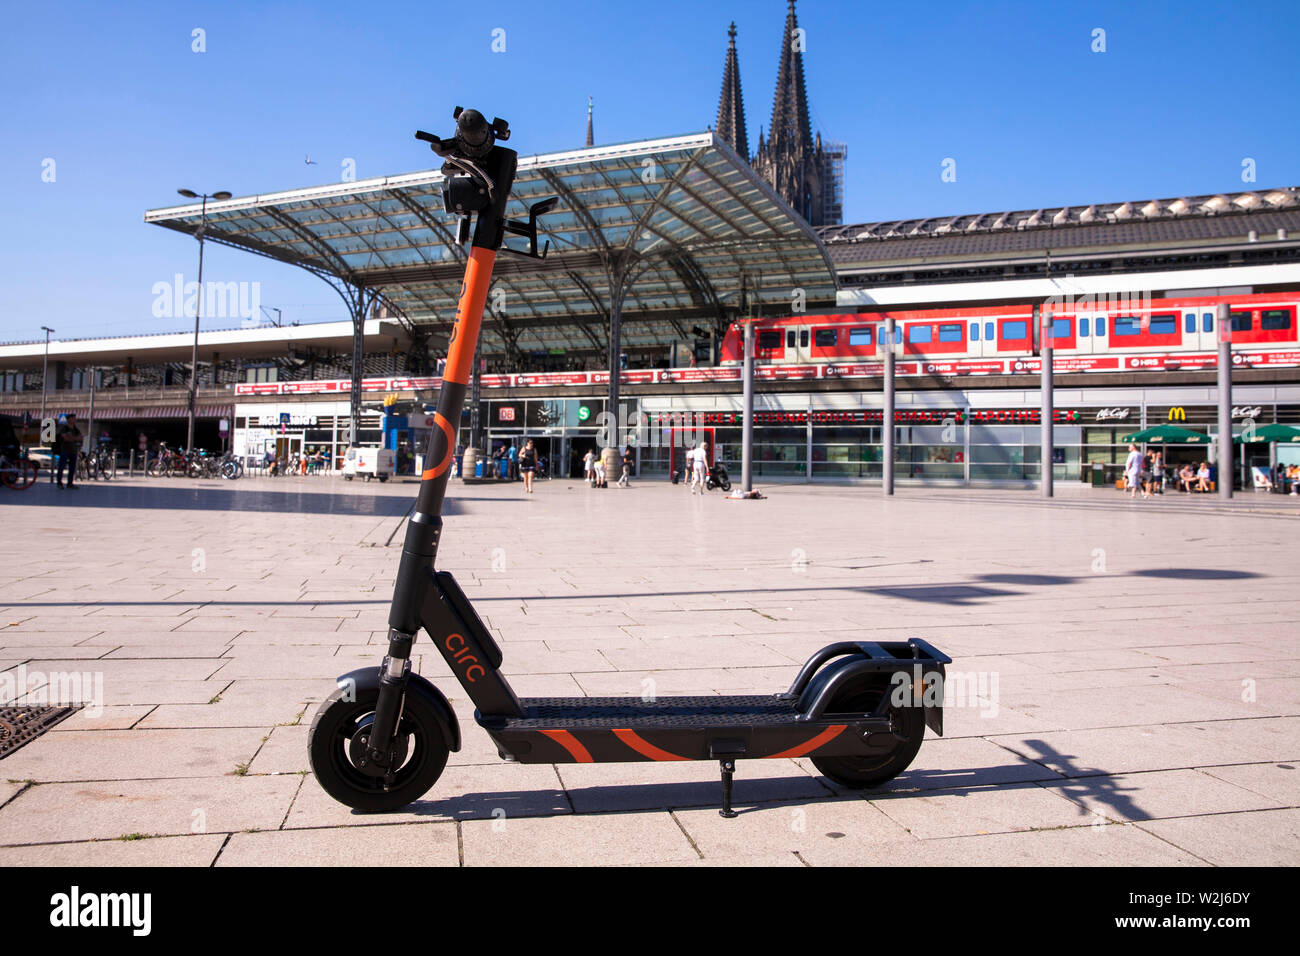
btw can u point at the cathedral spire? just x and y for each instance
(731, 105)
(790, 127)
(590, 140)
(808, 176)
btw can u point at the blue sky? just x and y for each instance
(1013, 92)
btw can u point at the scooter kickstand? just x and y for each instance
(728, 768)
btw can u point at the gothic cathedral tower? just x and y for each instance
(805, 173)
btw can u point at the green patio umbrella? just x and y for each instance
(1168, 435)
(1272, 433)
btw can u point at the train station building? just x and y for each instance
(657, 251)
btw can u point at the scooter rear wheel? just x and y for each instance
(332, 746)
(862, 697)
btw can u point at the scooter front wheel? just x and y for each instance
(862, 697)
(337, 741)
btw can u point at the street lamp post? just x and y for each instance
(45, 373)
(198, 306)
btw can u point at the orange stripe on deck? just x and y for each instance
(644, 748)
(570, 743)
(830, 733)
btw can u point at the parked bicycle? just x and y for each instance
(231, 466)
(167, 463)
(18, 473)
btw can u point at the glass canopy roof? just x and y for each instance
(677, 225)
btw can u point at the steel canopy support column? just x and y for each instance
(615, 350)
(747, 442)
(476, 404)
(1046, 429)
(887, 413)
(358, 368)
(1224, 323)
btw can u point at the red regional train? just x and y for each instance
(1152, 330)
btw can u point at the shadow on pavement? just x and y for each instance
(221, 498)
(1196, 574)
(1087, 786)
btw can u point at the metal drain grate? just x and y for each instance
(22, 725)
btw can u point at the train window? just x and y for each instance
(1060, 328)
(860, 336)
(1164, 324)
(1101, 326)
(789, 339)
(769, 339)
(1207, 321)
(1275, 319)
(988, 331)
(1241, 321)
(1083, 326)
(803, 338)
(918, 333)
(1190, 324)
(1127, 325)
(950, 333)
(974, 331)
(1014, 330)
(825, 338)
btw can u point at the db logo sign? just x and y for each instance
(507, 414)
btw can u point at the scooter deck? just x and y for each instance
(620, 729)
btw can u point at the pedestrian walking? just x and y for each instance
(628, 460)
(701, 469)
(589, 467)
(513, 454)
(67, 445)
(1132, 467)
(528, 465)
(1144, 476)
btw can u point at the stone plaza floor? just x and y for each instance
(1129, 671)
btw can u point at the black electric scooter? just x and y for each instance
(858, 709)
(717, 478)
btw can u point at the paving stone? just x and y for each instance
(1163, 793)
(1099, 846)
(1267, 838)
(610, 839)
(411, 844)
(131, 754)
(61, 812)
(198, 850)
(843, 832)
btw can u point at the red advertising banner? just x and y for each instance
(1251, 359)
(1066, 363)
(775, 373)
(967, 367)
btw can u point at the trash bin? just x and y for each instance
(503, 468)
(1098, 475)
(478, 468)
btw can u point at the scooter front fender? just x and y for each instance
(367, 679)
